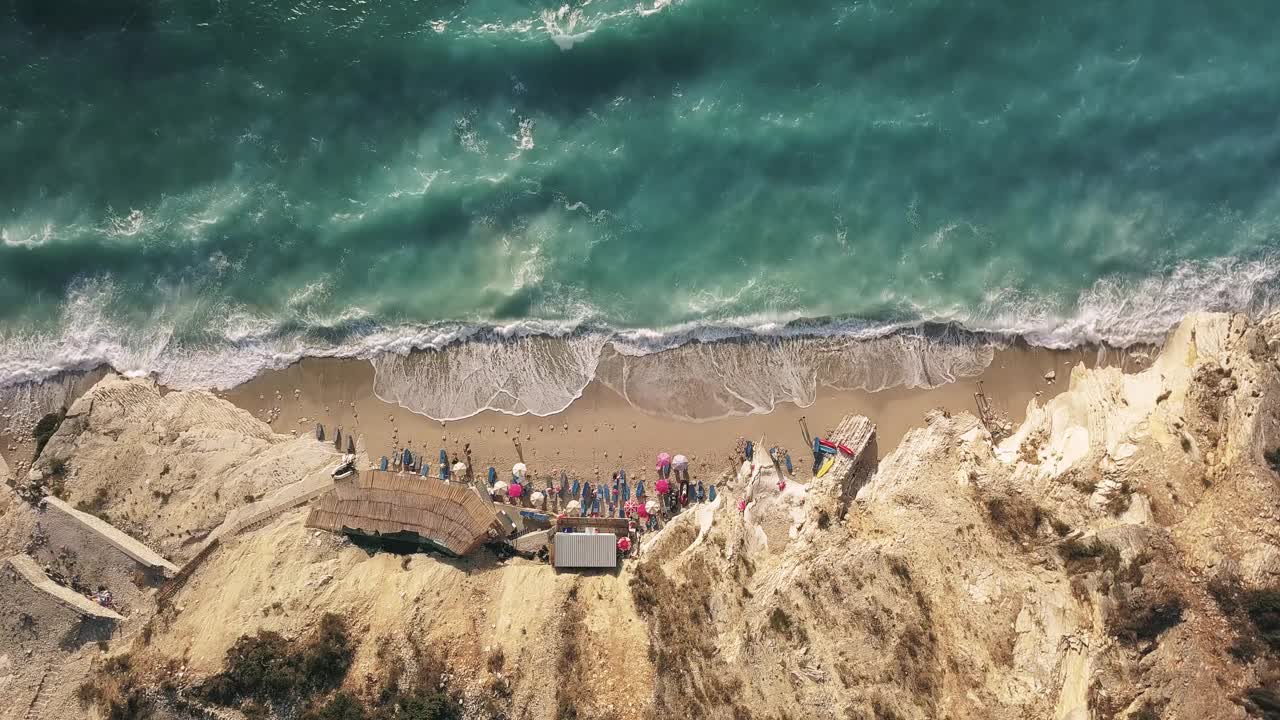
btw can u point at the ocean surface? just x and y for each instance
(495, 201)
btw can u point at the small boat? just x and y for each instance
(346, 469)
(826, 466)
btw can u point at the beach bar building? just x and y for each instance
(584, 542)
(408, 508)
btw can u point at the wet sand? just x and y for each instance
(600, 432)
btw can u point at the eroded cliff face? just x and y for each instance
(1112, 558)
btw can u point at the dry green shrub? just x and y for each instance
(1144, 613)
(1081, 556)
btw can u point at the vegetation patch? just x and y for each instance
(45, 429)
(267, 668)
(116, 692)
(1081, 556)
(1144, 613)
(1015, 517)
(1273, 459)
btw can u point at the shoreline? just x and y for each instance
(601, 432)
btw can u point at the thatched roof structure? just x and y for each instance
(402, 506)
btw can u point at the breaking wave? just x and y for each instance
(698, 371)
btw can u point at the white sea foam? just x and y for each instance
(738, 365)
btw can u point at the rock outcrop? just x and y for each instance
(1117, 556)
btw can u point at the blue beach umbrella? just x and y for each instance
(424, 469)
(444, 464)
(639, 488)
(575, 492)
(407, 458)
(382, 464)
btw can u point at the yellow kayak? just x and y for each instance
(826, 465)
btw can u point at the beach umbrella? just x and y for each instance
(639, 488)
(493, 476)
(624, 544)
(406, 458)
(680, 462)
(515, 490)
(712, 493)
(664, 460)
(651, 507)
(536, 499)
(586, 490)
(742, 506)
(787, 459)
(662, 486)
(518, 470)
(500, 488)
(423, 470)
(577, 492)
(604, 491)
(460, 469)
(626, 490)
(573, 507)
(382, 464)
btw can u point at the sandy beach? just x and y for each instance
(600, 432)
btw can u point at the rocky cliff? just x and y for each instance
(1118, 556)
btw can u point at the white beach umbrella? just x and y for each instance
(518, 470)
(680, 462)
(500, 488)
(537, 498)
(573, 507)
(460, 469)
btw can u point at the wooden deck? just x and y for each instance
(379, 503)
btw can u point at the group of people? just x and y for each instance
(672, 491)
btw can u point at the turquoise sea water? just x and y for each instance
(203, 188)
